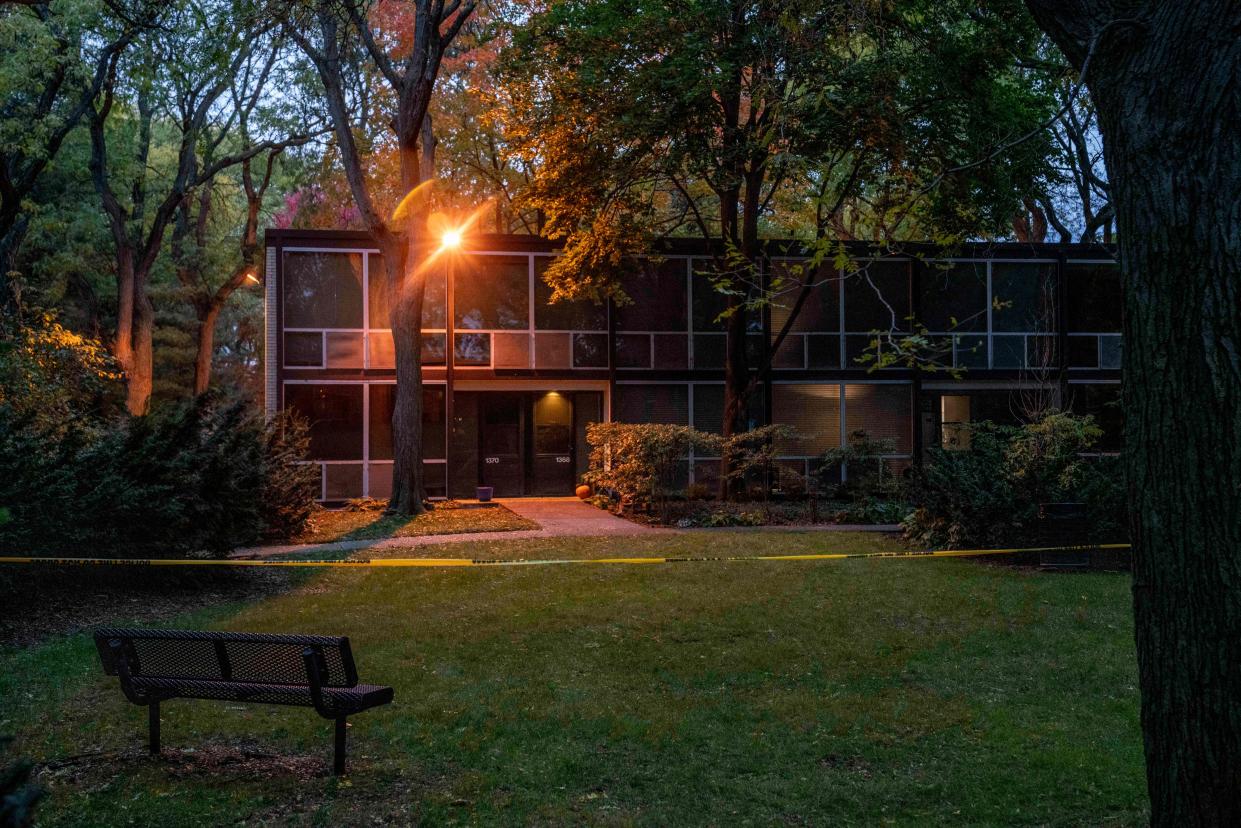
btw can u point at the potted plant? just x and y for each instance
(483, 493)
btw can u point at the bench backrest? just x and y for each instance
(256, 658)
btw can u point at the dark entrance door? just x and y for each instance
(500, 442)
(554, 472)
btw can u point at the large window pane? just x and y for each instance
(657, 291)
(563, 316)
(383, 401)
(651, 404)
(1094, 297)
(882, 411)
(590, 350)
(877, 297)
(334, 413)
(820, 312)
(433, 298)
(955, 298)
(303, 349)
(709, 303)
(322, 290)
(1023, 297)
(491, 292)
(813, 411)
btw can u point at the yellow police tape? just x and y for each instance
(447, 562)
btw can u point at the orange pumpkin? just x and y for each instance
(583, 491)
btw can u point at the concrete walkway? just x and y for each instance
(557, 517)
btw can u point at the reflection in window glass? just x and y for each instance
(433, 299)
(820, 312)
(491, 292)
(383, 352)
(671, 351)
(551, 350)
(877, 297)
(709, 350)
(472, 349)
(382, 404)
(344, 350)
(563, 316)
(590, 350)
(1023, 297)
(334, 413)
(657, 291)
(955, 298)
(971, 351)
(322, 290)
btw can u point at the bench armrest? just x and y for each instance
(122, 653)
(316, 673)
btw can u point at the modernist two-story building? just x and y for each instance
(511, 381)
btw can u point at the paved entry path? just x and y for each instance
(557, 517)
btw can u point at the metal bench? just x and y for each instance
(300, 670)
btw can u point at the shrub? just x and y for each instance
(991, 493)
(198, 479)
(642, 462)
(869, 475)
(18, 795)
(290, 484)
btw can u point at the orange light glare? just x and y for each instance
(451, 239)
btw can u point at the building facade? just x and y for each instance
(511, 381)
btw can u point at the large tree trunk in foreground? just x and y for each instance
(406, 283)
(1166, 78)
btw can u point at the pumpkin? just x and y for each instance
(583, 491)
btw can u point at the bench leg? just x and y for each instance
(338, 758)
(153, 727)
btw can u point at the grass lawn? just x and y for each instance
(851, 692)
(447, 518)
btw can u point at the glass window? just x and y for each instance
(1008, 351)
(813, 411)
(1103, 402)
(511, 350)
(344, 350)
(709, 408)
(334, 413)
(971, 351)
(656, 289)
(824, 351)
(563, 316)
(322, 290)
(472, 349)
(955, 298)
(1094, 297)
(383, 351)
(553, 424)
(671, 351)
(1023, 297)
(882, 411)
(303, 349)
(383, 401)
(491, 292)
(877, 297)
(433, 298)
(551, 350)
(1083, 351)
(709, 350)
(709, 303)
(590, 350)
(651, 404)
(343, 481)
(820, 312)
(633, 351)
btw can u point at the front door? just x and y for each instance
(554, 473)
(500, 442)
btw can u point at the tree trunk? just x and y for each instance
(205, 350)
(406, 286)
(141, 371)
(1167, 83)
(123, 345)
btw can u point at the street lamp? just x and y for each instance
(451, 240)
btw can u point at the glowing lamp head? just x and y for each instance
(451, 239)
(253, 277)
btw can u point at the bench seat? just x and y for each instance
(340, 700)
